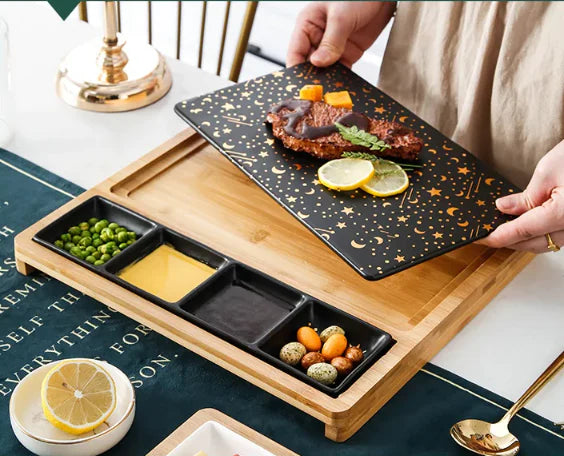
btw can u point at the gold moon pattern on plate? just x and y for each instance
(356, 245)
(447, 203)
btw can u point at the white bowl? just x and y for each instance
(215, 439)
(42, 438)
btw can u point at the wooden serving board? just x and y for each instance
(187, 185)
(205, 415)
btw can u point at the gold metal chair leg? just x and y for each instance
(243, 41)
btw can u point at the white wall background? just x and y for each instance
(272, 28)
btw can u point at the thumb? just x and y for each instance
(516, 204)
(332, 46)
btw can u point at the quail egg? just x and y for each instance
(323, 373)
(292, 353)
(329, 331)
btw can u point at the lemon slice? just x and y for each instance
(389, 179)
(345, 173)
(77, 396)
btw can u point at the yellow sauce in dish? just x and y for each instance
(167, 273)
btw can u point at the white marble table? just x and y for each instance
(503, 349)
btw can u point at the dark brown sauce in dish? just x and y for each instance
(299, 108)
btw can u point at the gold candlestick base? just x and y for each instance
(113, 76)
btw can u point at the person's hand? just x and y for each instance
(329, 31)
(540, 208)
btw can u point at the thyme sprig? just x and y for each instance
(367, 156)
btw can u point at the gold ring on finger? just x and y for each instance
(551, 245)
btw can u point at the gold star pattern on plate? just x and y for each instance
(263, 154)
(277, 74)
(437, 235)
(291, 199)
(341, 225)
(347, 210)
(380, 110)
(480, 203)
(246, 94)
(399, 258)
(402, 218)
(487, 227)
(339, 84)
(434, 192)
(463, 170)
(226, 130)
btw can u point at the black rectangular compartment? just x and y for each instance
(262, 314)
(373, 341)
(243, 303)
(100, 208)
(159, 237)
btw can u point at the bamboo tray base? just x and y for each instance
(188, 186)
(205, 415)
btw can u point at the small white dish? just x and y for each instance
(214, 439)
(43, 439)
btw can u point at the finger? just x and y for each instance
(351, 54)
(540, 243)
(536, 222)
(516, 204)
(334, 39)
(305, 38)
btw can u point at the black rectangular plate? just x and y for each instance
(449, 203)
(260, 328)
(373, 341)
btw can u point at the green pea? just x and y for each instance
(104, 222)
(60, 244)
(130, 242)
(74, 230)
(66, 237)
(86, 234)
(132, 235)
(112, 226)
(108, 248)
(120, 229)
(98, 263)
(97, 255)
(122, 236)
(107, 235)
(68, 246)
(97, 242)
(76, 251)
(90, 259)
(76, 238)
(95, 236)
(99, 227)
(92, 221)
(116, 252)
(105, 257)
(85, 242)
(92, 230)
(84, 226)
(90, 249)
(123, 245)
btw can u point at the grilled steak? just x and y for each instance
(307, 126)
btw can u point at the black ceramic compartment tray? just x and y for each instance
(450, 201)
(262, 313)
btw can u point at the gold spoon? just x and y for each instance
(495, 439)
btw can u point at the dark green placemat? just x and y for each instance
(42, 319)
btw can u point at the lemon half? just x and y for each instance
(345, 173)
(77, 396)
(389, 179)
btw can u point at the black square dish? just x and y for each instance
(100, 208)
(373, 341)
(183, 244)
(242, 303)
(450, 200)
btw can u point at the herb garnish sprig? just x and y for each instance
(367, 156)
(361, 138)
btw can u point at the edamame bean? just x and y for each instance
(112, 226)
(92, 221)
(107, 235)
(60, 244)
(68, 246)
(132, 235)
(84, 226)
(98, 263)
(66, 237)
(117, 251)
(97, 255)
(74, 230)
(122, 246)
(76, 239)
(122, 236)
(97, 242)
(90, 259)
(105, 257)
